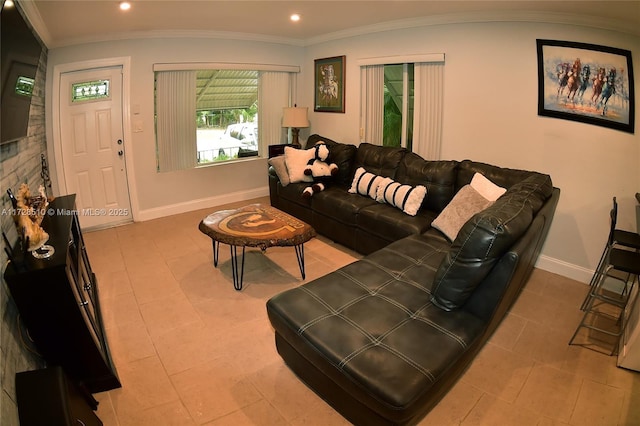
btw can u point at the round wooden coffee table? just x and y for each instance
(255, 225)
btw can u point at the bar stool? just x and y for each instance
(606, 308)
(617, 238)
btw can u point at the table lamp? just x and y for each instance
(295, 117)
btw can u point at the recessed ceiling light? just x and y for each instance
(295, 17)
(8, 3)
(125, 5)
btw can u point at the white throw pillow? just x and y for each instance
(486, 188)
(405, 197)
(365, 183)
(296, 161)
(464, 205)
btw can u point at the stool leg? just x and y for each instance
(625, 305)
(597, 275)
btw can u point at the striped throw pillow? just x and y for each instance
(365, 183)
(405, 197)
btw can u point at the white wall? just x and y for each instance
(159, 194)
(490, 115)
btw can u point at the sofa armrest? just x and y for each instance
(485, 238)
(497, 292)
(274, 183)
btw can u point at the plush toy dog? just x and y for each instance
(320, 169)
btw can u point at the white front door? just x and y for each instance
(93, 145)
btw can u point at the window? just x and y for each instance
(397, 125)
(401, 103)
(227, 115)
(90, 91)
(214, 115)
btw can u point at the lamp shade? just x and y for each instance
(295, 117)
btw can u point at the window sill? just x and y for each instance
(232, 161)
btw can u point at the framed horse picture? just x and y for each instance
(329, 78)
(586, 82)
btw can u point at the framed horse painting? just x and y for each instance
(329, 78)
(586, 82)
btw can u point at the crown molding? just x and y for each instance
(164, 34)
(481, 17)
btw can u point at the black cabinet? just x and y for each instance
(46, 397)
(57, 299)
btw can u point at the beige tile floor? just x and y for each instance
(190, 350)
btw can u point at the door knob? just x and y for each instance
(120, 153)
(119, 141)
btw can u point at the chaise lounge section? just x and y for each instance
(384, 338)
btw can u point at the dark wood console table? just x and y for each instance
(57, 298)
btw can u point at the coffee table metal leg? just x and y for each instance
(216, 250)
(238, 269)
(237, 278)
(300, 255)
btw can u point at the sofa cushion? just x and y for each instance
(291, 200)
(391, 224)
(338, 204)
(378, 333)
(501, 176)
(439, 177)
(280, 167)
(485, 238)
(379, 160)
(405, 197)
(466, 203)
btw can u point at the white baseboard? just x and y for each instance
(565, 269)
(201, 203)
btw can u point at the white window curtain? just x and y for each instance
(428, 104)
(372, 103)
(274, 93)
(176, 124)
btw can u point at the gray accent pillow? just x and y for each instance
(466, 203)
(280, 166)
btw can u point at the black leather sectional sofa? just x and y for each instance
(384, 338)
